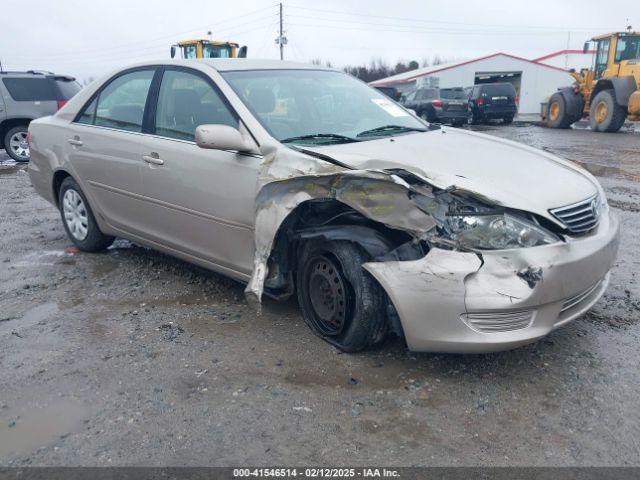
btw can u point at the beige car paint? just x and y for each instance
(187, 208)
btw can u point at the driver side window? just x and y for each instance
(185, 101)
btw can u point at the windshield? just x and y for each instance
(316, 106)
(216, 51)
(628, 48)
(453, 94)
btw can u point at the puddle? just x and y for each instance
(41, 258)
(23, 431)
(10, 169)
(608, 171)
(33, 316)
(39, 313)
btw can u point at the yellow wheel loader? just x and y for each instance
(608, 93)
(202, 48)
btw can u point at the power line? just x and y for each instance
(441, 22)
(128, 46)
(124, 55)
(416, 28)
(424, 31)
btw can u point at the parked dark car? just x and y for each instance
(391, 92)
(25, 96)
(447, 105)
(493, 101)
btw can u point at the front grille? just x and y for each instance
(579, 217)
(493, 322)
(578, 298)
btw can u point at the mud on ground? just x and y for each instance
(134, 358)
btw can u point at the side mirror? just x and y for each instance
(242, 53)
(173, 51)
(585, 48)
(221, 137)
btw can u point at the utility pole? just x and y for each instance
(281, 40)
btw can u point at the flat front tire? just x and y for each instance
(78, 219)
(340, 301)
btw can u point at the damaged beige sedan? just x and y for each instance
(298, 180)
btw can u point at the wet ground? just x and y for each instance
(132, 357)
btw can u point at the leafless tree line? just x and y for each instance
(379, 68)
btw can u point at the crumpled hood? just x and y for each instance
(507, 173)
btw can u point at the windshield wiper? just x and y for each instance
(390, 129)
(321, 136)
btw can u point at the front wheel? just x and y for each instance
(78, 219)
(557, 116)
(15, 143)
(605, 115)
(340, 301)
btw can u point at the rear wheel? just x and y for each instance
(78, 219)
(508, 119)
(605, 115)
(557, 117)
(15, 143)
(340, 301)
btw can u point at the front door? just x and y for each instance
(202, 201)
(104, 149)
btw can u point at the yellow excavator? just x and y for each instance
(202, 48)
(608, 93)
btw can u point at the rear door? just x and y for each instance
(104, 146)
(199, 201)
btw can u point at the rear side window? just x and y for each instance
(67, 88)
(453, 94)
(428, 94)
(31, 89)
(121, 103)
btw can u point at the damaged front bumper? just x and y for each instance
(465, 302)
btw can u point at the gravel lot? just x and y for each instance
(132, 357)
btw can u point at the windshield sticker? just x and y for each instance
(390, 107)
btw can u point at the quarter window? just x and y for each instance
(185, 101)
(31, 89)
(121, 103)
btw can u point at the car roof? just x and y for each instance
(233, 64)
(37, 73)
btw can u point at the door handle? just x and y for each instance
(75, 142)
(153, 158)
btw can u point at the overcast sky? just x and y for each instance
(91, 37)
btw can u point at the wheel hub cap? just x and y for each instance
(327, 295)
(601, 112)
(554, 111)
(75, 214)
(18, 144)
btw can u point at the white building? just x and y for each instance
(534, 81)
(568, 59)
